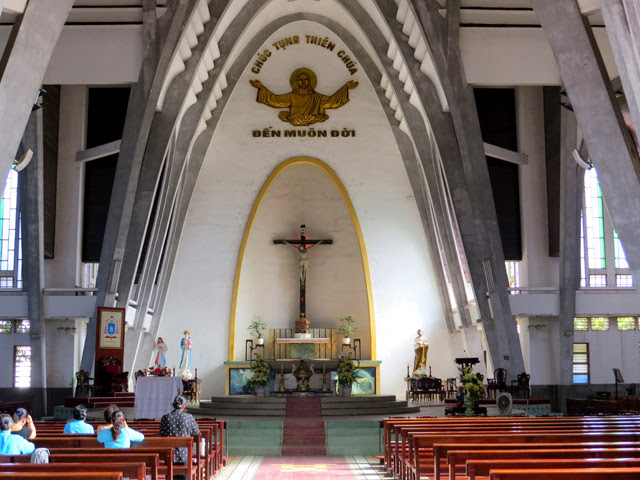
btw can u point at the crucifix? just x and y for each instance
(302, 245)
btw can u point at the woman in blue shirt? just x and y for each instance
(78, 425)
(12, 444)
(120, 435)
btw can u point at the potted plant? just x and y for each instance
(256, 327)
(346, 375)
(472, 388)
(346, 328)
(261, 375)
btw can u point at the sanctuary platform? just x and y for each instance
(307, 406)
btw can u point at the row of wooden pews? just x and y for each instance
(82, 454)
(512, 448)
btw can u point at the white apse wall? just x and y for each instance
(369, 165)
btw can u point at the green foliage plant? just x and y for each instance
(346, 327)
(261, 371)
(346, 371)
(257, 326)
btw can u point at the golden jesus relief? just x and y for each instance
(305, 105)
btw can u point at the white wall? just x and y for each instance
(369, 165)
(64, 269)
(612, 349)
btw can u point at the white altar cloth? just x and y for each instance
(154, 396)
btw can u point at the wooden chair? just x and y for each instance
(521, 384)
(498, 383)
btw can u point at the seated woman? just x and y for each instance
(120, 435)
(78, 424)
(108, 413)
(23, 424)
(12, 444)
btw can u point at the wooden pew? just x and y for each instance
(128, 469)
(476, 468)
(212, 432)
(161, 459)
(567, 474)
(14, 475)
(90, 441)
(403, 456)
(458, 454)
(395, 446)
(420, 442)
(150, 460)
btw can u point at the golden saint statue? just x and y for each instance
(305, 105)
(420, 347)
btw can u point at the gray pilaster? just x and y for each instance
(622, 18)
(571, 194)
(22, 67)
(32, 208)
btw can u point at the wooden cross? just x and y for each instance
(303, 245)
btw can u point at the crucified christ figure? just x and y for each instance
(303, 261)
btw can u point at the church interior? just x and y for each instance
(464, 169)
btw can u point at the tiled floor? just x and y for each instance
(307, 468)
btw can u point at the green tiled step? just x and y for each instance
(359, 399)
(366, 405)
(254, 437)
(358, 436)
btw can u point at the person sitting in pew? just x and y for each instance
(23, 424)
(108, 413)
(78, 424)
(12, 444)
(120, 435)
(179, 424)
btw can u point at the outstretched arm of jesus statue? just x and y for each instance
(269, 98)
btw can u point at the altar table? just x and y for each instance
(154, 396)
(320, 348)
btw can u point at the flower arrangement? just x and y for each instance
(261, 371)
(157, 372)
(471, 385)
(346, 371)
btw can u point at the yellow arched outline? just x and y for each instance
(356, 225)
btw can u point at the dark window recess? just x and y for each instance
(497, 115)
(150, 224)
(552, 144)
(98, 182)
(106, 114)
(506, 196)
(50, 124)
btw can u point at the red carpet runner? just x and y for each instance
(304, 436)
(297, 468)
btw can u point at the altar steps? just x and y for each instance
(249, 405)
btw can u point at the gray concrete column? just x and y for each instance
(32, 209)
(571, 194)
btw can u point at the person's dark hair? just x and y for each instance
(20, 414)
(79, 412)
(179, 402)
(108, 412)
(5, 421)
(117, 420)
